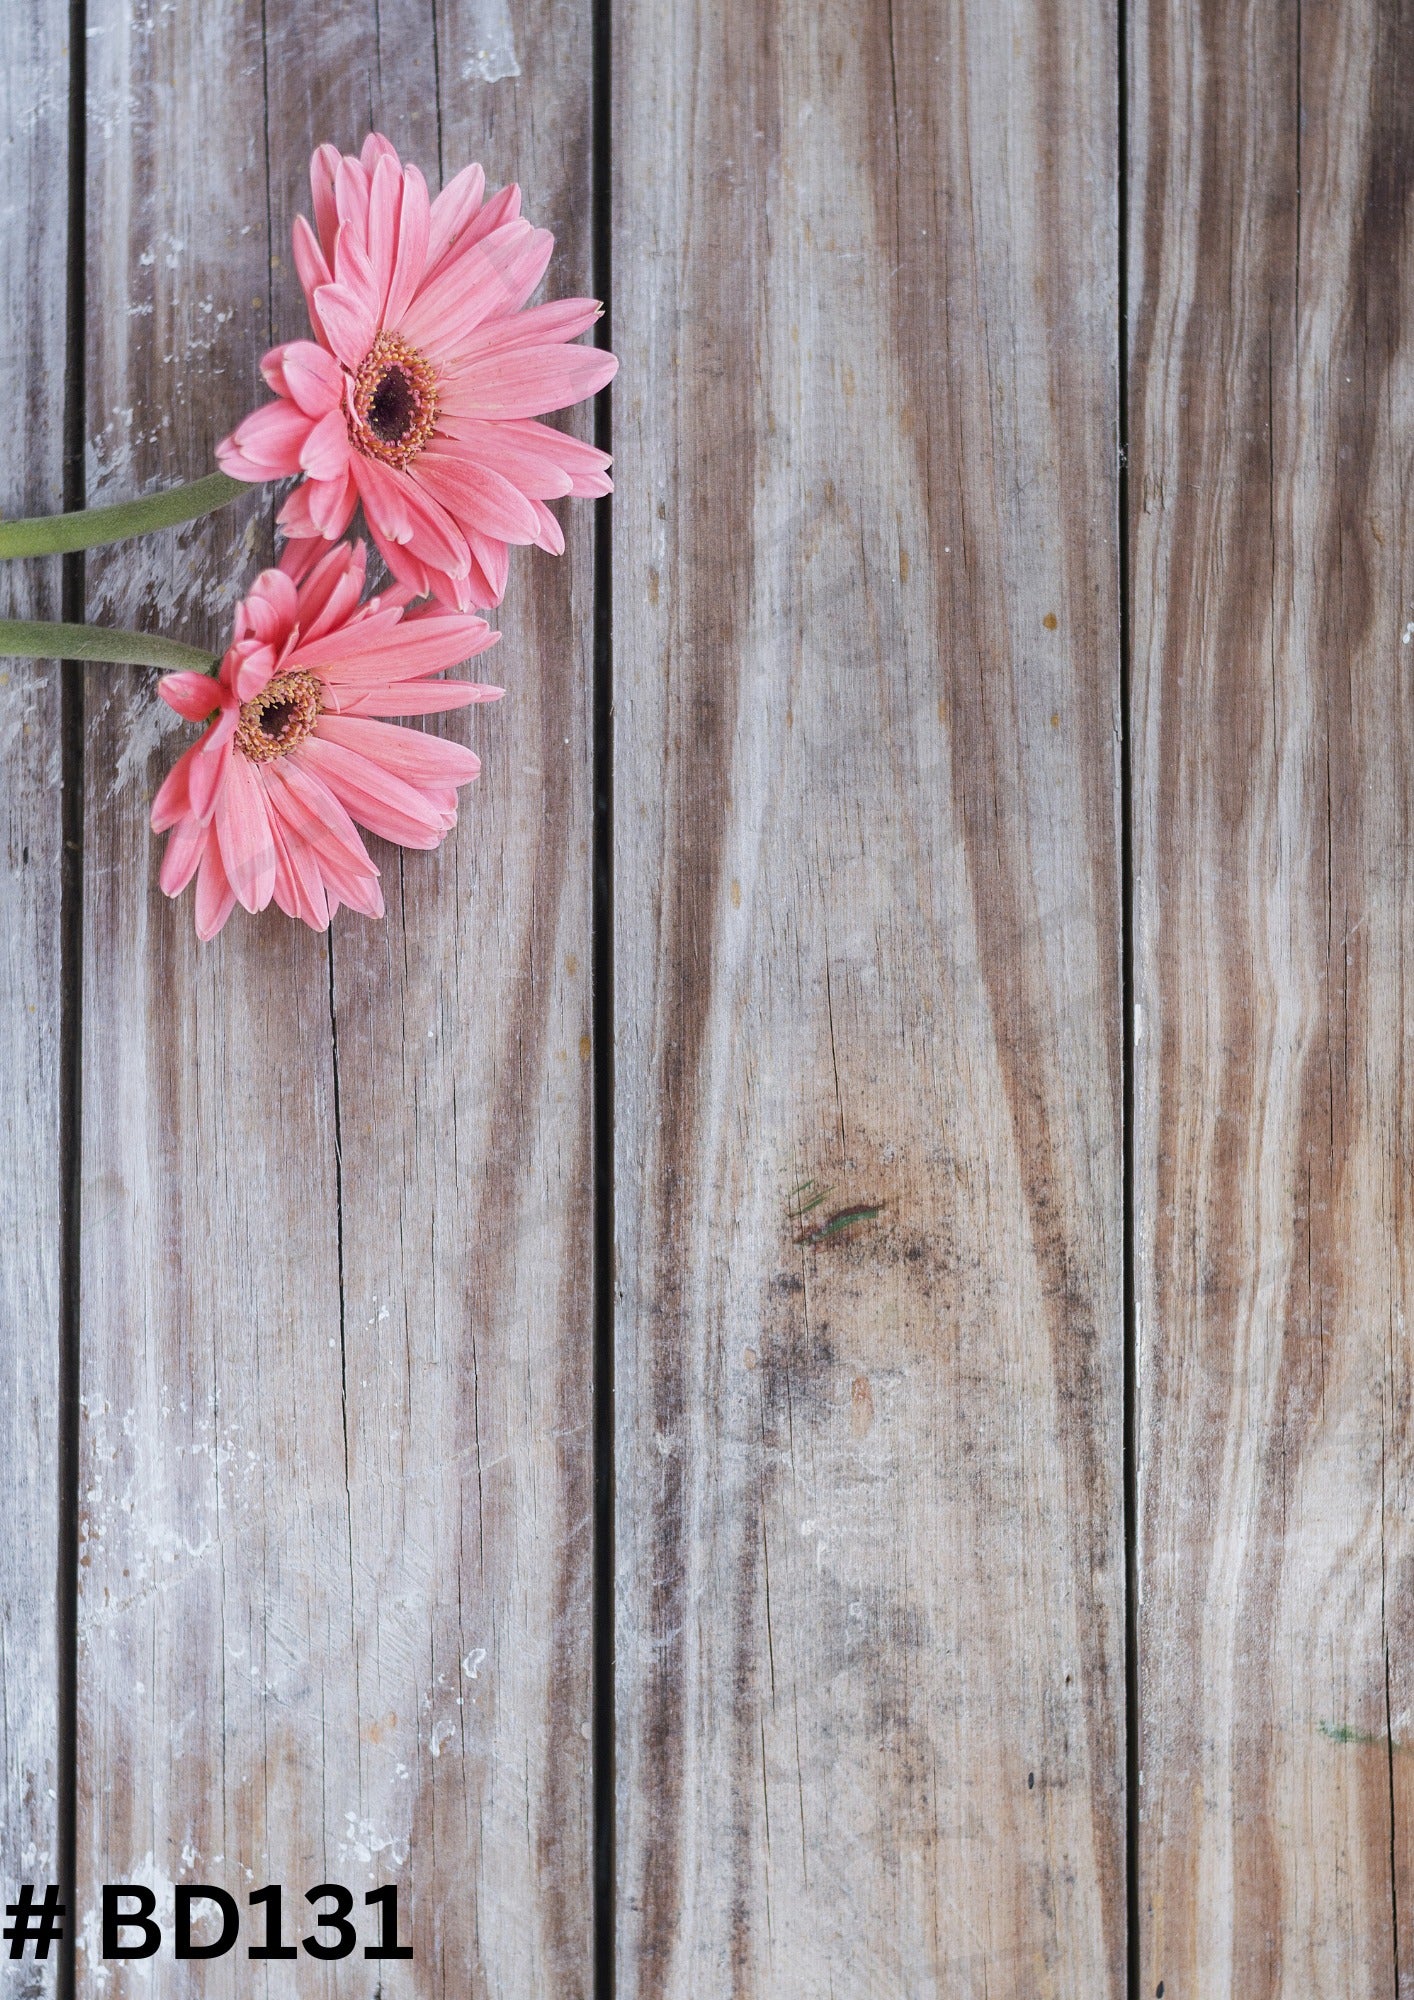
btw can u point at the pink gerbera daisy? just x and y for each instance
(265, 804)
(420, 391)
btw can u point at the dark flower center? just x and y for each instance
(393, 405)
(280, 717)
(275, 720)
(392, 409)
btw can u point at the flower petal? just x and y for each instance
(329, 597)
(401, 512)
(261, 624)
(499, 209)
(452, 210)
(332, 503)
(274, 592)
(266, 444)
(477, 589)
(193, 695)
(539, 475)
(493, 559)
(387, 647)
(536, 326)
(318, 509)
(253, 670)
(374, 797)
(312, 266)
(173, 801)
(409, 754)
(325, 452)
(295, 520)
(375, 148)
(312, 377)
(410, 263)
(207, 771)
(544, 463)
(300, 555)
(348, 320)
(353, 268)
(385, 196)
(243, 830)
(322, 170)
(474, 494)
(185, 847)
(311, 811)
(272, 367)
(528, 382)
(351, 198)
(416, 697)
(413, 576)
(215, 898)
(299, 888)
(360, 637)
(478, 282)
(551, 536)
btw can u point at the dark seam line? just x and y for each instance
(1389, 1774)
(437, 93)
(1126, 869)
(265, 141)
(71, 734)
(602, 1728)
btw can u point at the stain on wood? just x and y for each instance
(34, 114)
(868, 934)
(1272, 381)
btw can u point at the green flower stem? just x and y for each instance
(59, 534)
(34, 639)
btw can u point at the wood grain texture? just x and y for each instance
(870, 1583)
(335, 1619)
(467, 1196)
(218, 1722)
(34, 112)
(1272, 392)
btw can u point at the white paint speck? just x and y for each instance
(493, 55)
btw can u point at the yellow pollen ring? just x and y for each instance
(280, 717)
(394, 403)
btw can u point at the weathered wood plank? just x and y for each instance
(335, 1619)
(1272, 392)
(870, 1584)
(467, 1197)
(34, 112)
(218, 1722)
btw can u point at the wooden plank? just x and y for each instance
(335, 1199)
(870, 1568)
(34, 112)
(467, 1196)
(1272, 391)
(218, 1724)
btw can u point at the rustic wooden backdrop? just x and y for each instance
(1000, 836)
